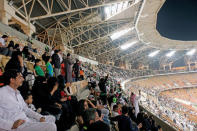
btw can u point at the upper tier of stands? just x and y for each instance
(157, 83)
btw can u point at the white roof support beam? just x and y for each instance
(86, 7)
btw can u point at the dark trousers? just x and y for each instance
(81, 77)
(76, 76)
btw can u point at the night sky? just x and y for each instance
(177, 20)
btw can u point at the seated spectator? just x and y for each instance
(98, 126)
(25, 51)
(124, 122)
(3, 48)
(28, 98)
(90, 116)
(92, 91)
(17, 47)
(43, 96)
(16, 62)
(82, 106)
(49, 68)
(10, 48)
(91, 120)
(37, 69)
(95, 102)
(15, 115)
(31, 57)
(115, 111)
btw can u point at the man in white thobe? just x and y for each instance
(14, 113)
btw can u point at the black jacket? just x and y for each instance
(56, 61)
(76, 68)
(102, 83)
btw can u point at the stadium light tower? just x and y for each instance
(128, 45)
(171, 53)
(118, 34)
(191, 52)
(152, 54)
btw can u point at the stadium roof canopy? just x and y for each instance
(97, 29)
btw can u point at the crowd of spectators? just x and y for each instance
(165, 106)
(50, 105)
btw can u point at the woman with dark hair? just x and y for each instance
(68, 105)
(82, 106)
(17, 47)
(61, 82)
(16, 62)
(43, 95)
(25, 51)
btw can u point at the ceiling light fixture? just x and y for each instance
(118, 34)
(128, 45)
(191, 52)
(154, 53)
(171, 53)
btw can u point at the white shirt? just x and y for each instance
(2, 41)
(13, 108)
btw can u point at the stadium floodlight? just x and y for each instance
(154, 53)
(171, 53)
(128, 45)
(118, 34)
(191, 52)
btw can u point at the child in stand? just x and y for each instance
(29, 100)
(37, 69)
(81, 74)
(49, 67)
